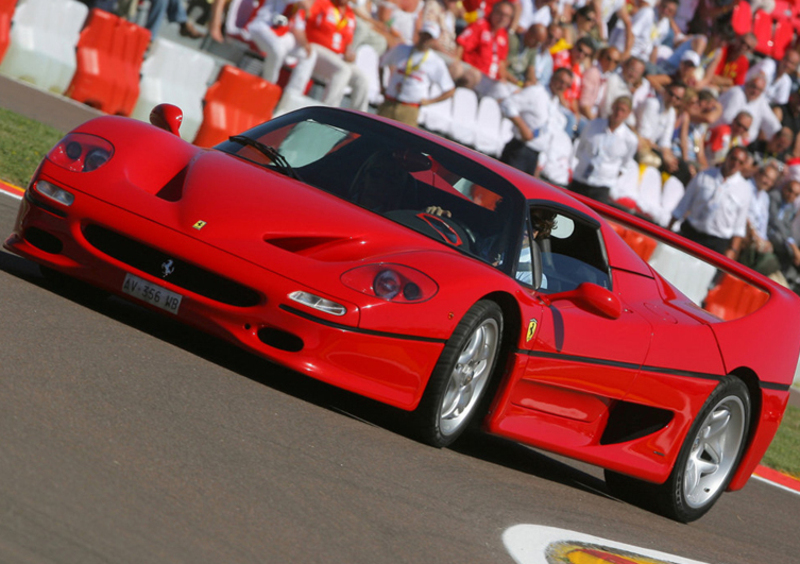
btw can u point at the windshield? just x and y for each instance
(398, 175)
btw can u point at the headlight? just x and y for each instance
(81, 152)
(391, 282)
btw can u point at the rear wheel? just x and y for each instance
(461, 376)
(707, 460)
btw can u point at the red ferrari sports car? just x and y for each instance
(411, 270)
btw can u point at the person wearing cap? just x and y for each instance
(414, 68)
(687, 73)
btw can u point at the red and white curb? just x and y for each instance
(777, 479)
(11, 190)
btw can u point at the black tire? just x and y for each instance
(706, 462)
(461, 377)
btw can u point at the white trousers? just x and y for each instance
(277, 48)
(337, 74)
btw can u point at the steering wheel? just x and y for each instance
(450, 231)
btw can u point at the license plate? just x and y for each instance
(151, 293)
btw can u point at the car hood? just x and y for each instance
(242, 208)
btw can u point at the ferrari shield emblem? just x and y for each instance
(199, 225)
(531, 329)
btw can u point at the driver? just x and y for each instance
(542, 224)
(383, 184)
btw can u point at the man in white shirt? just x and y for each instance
(628, 82)
(606, 147)
(779, 76)
(757, 251)
(715, 205)
(414, 68)
(535, 112)
(750, 98)
(643, 25)
(656, 121)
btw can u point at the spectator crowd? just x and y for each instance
(655, 106)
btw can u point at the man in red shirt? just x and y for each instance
(734, 65)
(329, 29)
(483, 47)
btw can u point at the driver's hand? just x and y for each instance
(436, 210)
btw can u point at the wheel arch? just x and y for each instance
(512, 316)
(763, 425)
(512, 325)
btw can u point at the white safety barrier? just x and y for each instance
(367, 61)
(487, 127)
(44, 34)
(465, 111)
(179, 75)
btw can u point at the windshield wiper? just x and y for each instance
(272, 153)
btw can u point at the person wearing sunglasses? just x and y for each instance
(656, 125)
(750, 98)
(721, 138)
(536, 113)
(594, 81)
(732, 69)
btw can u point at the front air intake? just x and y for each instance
(180, 273)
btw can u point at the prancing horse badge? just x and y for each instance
(199, 225)
(531, 329)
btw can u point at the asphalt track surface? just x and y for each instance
(127, 437)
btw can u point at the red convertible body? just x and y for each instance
(408, 269)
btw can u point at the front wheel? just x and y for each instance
(461, 376)
(707, 460)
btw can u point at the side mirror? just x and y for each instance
(167, 117)
(592, 298)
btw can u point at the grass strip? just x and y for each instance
(784, 452)
(23, 144)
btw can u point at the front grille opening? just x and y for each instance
(279, 339)
(178, 272)
(43, 240)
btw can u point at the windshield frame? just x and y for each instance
(371, 131)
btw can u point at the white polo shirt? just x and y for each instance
(656, 123)
(413, 72)
(602, 154)
(715, 205)
(540, 110)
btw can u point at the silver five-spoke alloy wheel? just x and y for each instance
(469, 377)
(714, 451)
